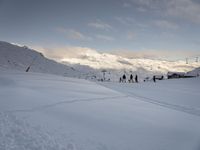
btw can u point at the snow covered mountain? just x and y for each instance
(116, 65)
(108, 61)
(14, 57)
(19, 58)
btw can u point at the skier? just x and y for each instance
(154, 78)
(136, 78)
(131, 78)
(124, 78)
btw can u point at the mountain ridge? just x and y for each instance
(14, 57)
(87, 65)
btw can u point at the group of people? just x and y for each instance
(130, 80)
(123, 79)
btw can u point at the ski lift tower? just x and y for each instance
(34, 59)
(104, 74)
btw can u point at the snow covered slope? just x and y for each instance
(47, 112)
(19, 58)
(14, 57)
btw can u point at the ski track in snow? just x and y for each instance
(180, 108)
(132, 95)
(184, 109)
(64, 102)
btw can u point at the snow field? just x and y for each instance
(40, 111)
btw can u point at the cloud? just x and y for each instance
(126, 20)
(105, 37)
(129, 21)
(157, 54)
(60, 53)
(166, 24)
(141, 9)
(140, 54)
(149, 4)
(94, 59)
(98, 24)
(127, 5)
(188, 10)
(73, 34)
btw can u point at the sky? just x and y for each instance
(114, 26)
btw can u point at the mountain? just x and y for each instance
(19, 58)
(116, 65)
(108, 61)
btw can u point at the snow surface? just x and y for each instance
(48, 112)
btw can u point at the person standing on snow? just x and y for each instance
(131, 78)
(124, 78)
(154, 78)
(136, 78)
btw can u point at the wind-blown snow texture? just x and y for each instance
(41, 111)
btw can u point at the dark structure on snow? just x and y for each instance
(175, 75)
(159, 77)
